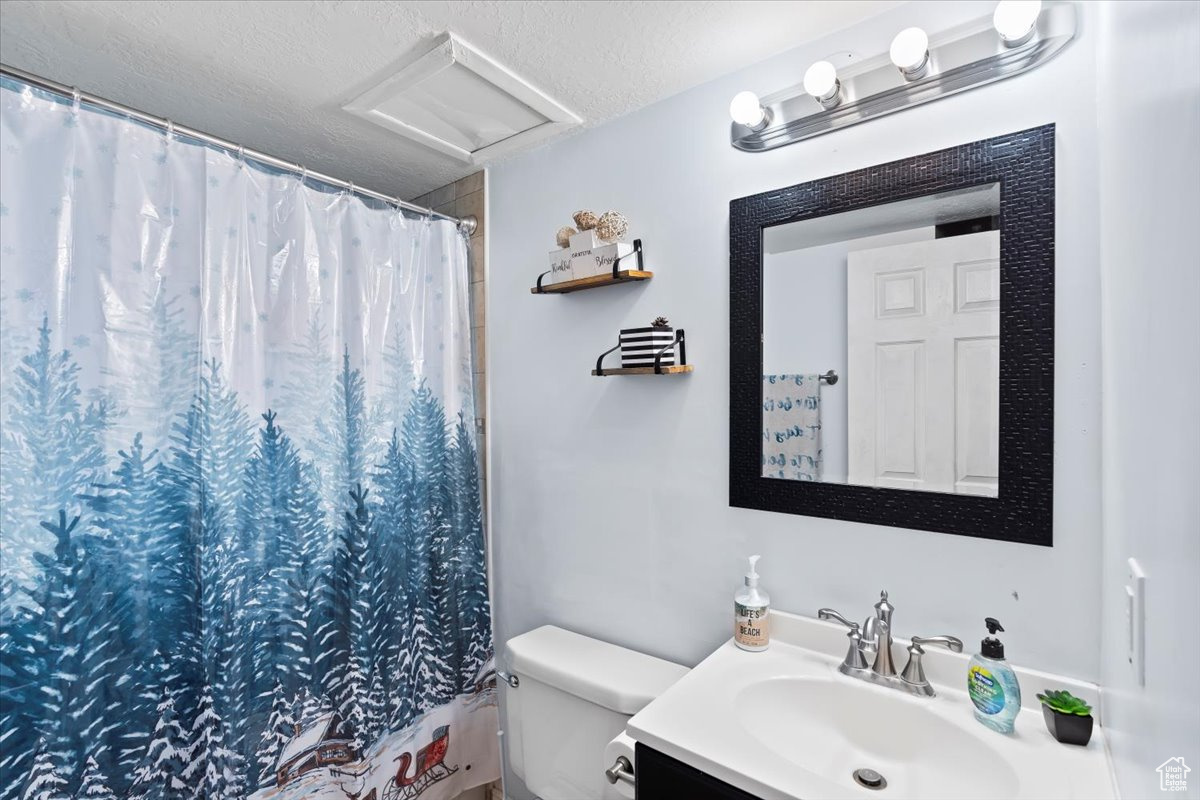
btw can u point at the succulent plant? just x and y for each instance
(660, 322)
(1064, 702)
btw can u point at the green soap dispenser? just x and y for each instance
(992, 684)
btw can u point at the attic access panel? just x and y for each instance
(458, 101)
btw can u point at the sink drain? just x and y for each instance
(870, 779)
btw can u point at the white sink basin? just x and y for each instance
(785, 724)
(834, 727)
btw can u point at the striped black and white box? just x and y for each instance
(639, 346)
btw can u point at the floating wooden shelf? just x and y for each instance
(617, 275)
(594, 281)
(678, 347)
(679, 370)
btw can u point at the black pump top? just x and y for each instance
(990, 647)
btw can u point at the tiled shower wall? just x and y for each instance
(464, 197)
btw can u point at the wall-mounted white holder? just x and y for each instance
(1135, 617)
(962, 58)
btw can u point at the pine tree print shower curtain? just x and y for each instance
(242, 541)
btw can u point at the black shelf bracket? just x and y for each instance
(678, 346)
(637, 251)
(600, 360)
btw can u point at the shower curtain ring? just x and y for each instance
(76, 97)
(170, 131)
(241, 156)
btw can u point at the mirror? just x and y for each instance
(891, 343)
(881, 345)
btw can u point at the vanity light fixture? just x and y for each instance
(910, 53)
(1019, 36)
(748, 111)
(1016, 20)
(821, 81)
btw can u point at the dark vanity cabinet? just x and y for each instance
(660, 777)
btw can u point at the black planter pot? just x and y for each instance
(1068, 728)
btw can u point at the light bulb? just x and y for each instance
(821, 82)
(1014, 20)
(910, 52)
(746, 110)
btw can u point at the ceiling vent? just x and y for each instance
(462, 103)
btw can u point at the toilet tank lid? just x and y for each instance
(618, 679)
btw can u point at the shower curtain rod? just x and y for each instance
(467, 223)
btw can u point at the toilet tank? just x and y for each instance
(575, 695)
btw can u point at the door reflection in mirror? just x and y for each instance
(903, 301)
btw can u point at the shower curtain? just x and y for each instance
(241, 543)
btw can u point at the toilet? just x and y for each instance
(575, 695)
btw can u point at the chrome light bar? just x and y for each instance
(959, 59)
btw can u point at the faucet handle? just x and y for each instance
(854, 659)
(829, 613)
(949, 642)
(914, 672)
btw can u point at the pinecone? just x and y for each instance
(660, 322)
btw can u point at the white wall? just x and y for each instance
(1149, 60)
(610, 495)
(804, 332)
(804, 328)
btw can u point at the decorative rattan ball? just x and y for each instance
(563, 237)
(585, 220)
(612, 226)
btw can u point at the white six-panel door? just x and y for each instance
(923, 328)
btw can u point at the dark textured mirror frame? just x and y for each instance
(1023, 164)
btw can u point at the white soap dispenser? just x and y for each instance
(750, 613)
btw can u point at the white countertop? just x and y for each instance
(703, 721)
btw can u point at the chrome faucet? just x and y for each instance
(875, 640)
(871, 627)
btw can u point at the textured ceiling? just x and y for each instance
(274, 75)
